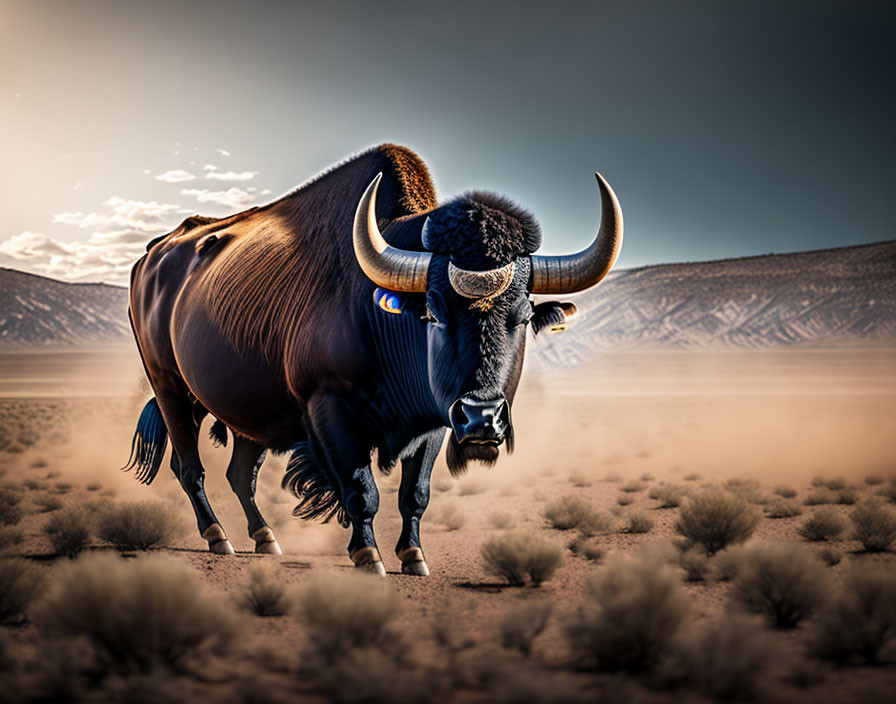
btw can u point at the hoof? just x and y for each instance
(412, 562)
(221, 547)
(416, 569)
(369, 560)
(217, 540)
(377, 568)
(265, 542)
(271, 547)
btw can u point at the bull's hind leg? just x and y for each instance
(413, 498)
(177, 409)
(242, 473)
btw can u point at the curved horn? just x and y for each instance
(385, 265)
(576, 272)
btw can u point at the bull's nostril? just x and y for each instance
(475, 420)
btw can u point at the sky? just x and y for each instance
(726, 128)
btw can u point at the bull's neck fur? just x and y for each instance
(402, 407)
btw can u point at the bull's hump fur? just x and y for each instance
(295, 249)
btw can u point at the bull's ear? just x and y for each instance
(552, 315)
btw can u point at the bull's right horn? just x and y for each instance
(387, 266)
(576, 272)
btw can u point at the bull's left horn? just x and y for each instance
(576, 272)
(387, 266)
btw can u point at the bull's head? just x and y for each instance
(478, 305)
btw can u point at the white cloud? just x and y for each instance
(232, 175)
(176, 176)
(145, 216)
(94, 260)
(27, 245)
(233, 197)
(223, 152)
(209, 167)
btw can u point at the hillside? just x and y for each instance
(39, 312)
(833, 297)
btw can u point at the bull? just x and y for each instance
(300, 338)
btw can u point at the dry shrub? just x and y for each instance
(20, 582)
(511, 685)
(370, 676)
(784, 582)
(512, 556)
(69, 530)
(611, 477)
(692, 477)
(785, 492)
(346, 611)
(821, 495)
(140, 525)
(633, 610)
(502, 520)
(847, 497)
(715, 519)
(263, 591)
(727, 563)
(861, 620)
(646, 477)
(472, 486)
(695, 563)
(874, 479)
(639, 523)
(587, 548)
(726, 658)
(47, 503)
(889, 491)
(568, 512)
(783, 508)
(830, 557)
(832, 483)
(94, 487)
(10, 510)
(632, 487)
(521, 625)
(625, 499)
(749, 490)
(824, 523)
(669, 495)
(579, 479)
(138, 614)
(10, 536)
(875, 524)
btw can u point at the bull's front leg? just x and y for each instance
(413, 498)
(347, 457)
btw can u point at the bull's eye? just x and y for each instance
(388, 301)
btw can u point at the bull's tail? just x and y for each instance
(149, 443)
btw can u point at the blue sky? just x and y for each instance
(726, 128)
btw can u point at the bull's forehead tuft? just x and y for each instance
(483, 231)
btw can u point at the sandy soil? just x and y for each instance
(689, 418)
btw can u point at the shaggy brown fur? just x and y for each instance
(259, 283)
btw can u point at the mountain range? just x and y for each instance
(832, 297)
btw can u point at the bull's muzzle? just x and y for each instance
(477, 421)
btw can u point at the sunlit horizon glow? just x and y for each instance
(729, 129)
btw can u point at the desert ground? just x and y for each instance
(632, 424)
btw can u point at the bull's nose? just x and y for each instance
(474, 420)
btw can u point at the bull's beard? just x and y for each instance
(458, 456)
